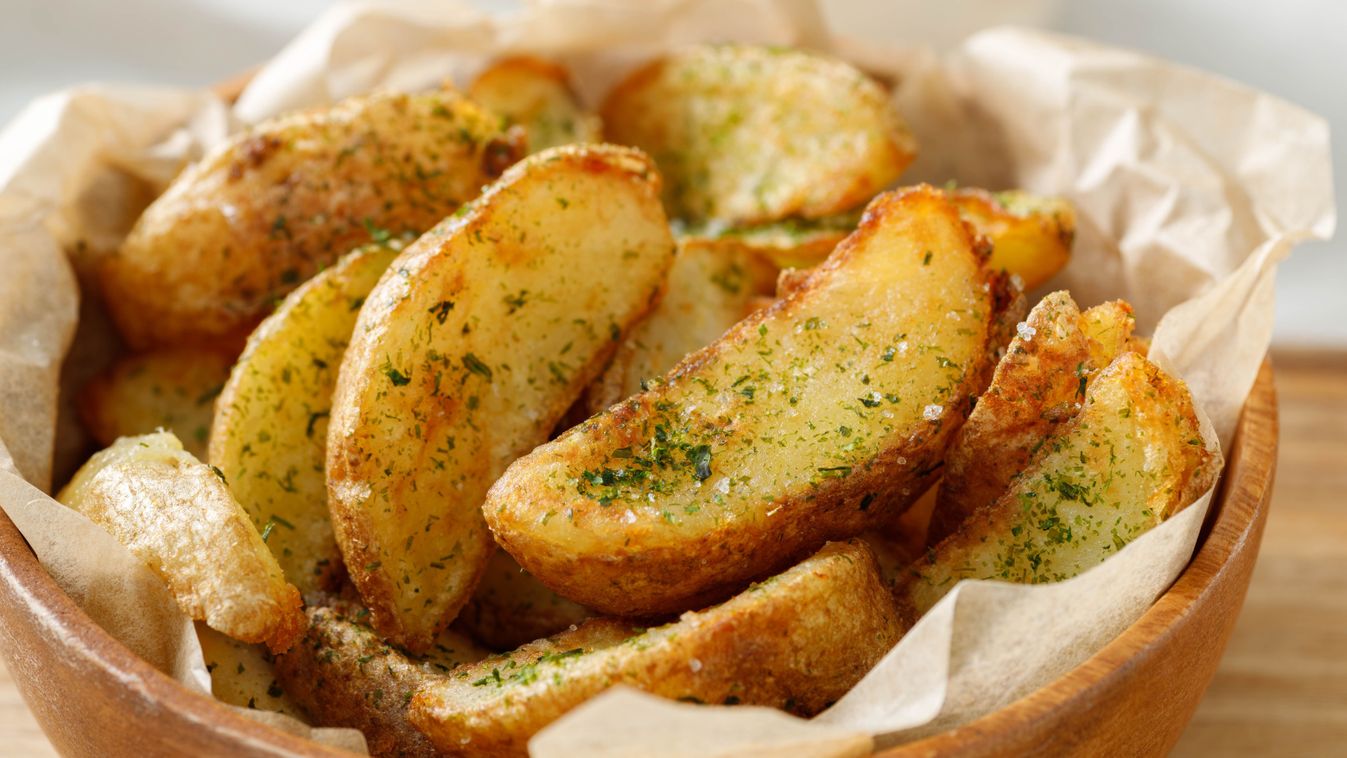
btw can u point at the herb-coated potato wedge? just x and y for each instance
(711, 287)
(1031, 236)
(177, 514)
(344, 675)
(798, 641)
(789, 243)
(270, 429)
(536, 95)
(1132, 457)
(172, 388)
(466, 354)
(268, 208)
(748, 135)
(511, 608)
(1037, 386)
(814, 419)
(243, 675)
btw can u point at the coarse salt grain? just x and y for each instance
(932, 412)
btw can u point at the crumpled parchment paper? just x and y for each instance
(1190, 189)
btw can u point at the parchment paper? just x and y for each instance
(1190, 190)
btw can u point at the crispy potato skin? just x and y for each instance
(711, 287)
(1031, 236)
(537, 95)
(466, 354)
(178, 516)
(270, 428)
(814, 419)
(797, 641)
(344, 675)
(243, 675)
(1131, 458)
(511, 608)
(748, 135)
(268, 208)
(172, 388)
(1038, 386)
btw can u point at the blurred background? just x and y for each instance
(1282, 686)
(1291, 48)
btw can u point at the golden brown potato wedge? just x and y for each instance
(171, 388)
(1031, 236)
(747, 135)
(817, 418)
(271, 206)
(177, 514)
(243, 675)
(790, 243)
(1038, 385)
(537, 95)
(344, 675)
(270, 428)
(511, 608)
(711, 287)
(1132, 457)
(467, 353)
(797, 641)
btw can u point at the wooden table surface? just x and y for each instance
(1282, 686)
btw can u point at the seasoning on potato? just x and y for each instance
(466, 354)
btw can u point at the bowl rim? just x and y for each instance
(1241, 505)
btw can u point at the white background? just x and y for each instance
(1293, 48)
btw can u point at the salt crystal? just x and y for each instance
(695, 665)
(932, 412)
(1025, 331)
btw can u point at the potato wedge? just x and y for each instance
(1038, 386)
(748, 135)
(511, 608)
(790, 243)
(177, 514)
(798, 641)
(537, 95)
(817, 418)
(271, 206)
(243, 675)
(711, 287)
(1132, 457)
(172, 388)
(344, 675)
(270, 428)
(1031, 236)
(467, 353)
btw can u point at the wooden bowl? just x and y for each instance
(94, 697)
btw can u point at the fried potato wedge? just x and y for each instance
(814, 419)
(1038, 386)
(177, 515)
(790, 243)
(748, 135)
(243, 675)
(1132, 457)
(467, 353)
(712, 286)
(511, 608)
(797, 641)
(172, 388)
(537, 95)
(270, 428)
(344, 675)
(1031, 236)
(271, 206)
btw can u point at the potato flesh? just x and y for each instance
(749, 135)
(537, 95)
(840, 620)
(1038, 386)
(1031, 236)
(812, 419)
(467, 353)
(345, 676)
(270, 207)
(172, 388)
(270, 427)
(1130, 459)
(711, 287)
(178, 516)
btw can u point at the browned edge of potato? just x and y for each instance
(1031, 235)
(537, 95)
